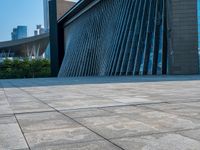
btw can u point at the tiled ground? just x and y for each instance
(106, 113)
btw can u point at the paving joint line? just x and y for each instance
(6, 115)
(34, 112)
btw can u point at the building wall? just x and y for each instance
(63, 6)
(116, 38)
(183, 37)
(131, 37)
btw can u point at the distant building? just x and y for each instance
(39, 30)
(19, 33)
(35, 32)
(46, 14)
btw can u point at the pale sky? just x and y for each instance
(20, 12)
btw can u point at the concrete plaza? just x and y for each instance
(101, 113)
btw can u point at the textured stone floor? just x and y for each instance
(106, 113)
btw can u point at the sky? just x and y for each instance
(20, 12)
(25, 12)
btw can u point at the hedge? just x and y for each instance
(24, 68)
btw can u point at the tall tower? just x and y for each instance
(46, 14)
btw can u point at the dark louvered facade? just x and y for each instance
(129, 37)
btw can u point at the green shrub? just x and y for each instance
(25, 68)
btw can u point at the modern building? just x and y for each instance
(19, 33)
(61, 6)
(46, 14)
(39, 30)
(132, 37)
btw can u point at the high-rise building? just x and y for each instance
(39, 30)
(19, 33)
(46, 14)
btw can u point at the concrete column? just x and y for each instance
(182, 37)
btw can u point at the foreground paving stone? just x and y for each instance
(5, 109)
(158, 120)
(25, 107)
(44, 121)
(82, 104)
(11, 137)
(7, 120)
(194, 134)
(158, 142)
(60, 137)
(100, 113)
(116, 126)
(4, 106)
(190, 110)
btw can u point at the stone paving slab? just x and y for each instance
(191, 110)
(33, 106)
(117, 126)
(60, 136)
(44, 121)
(158, 120)
(158, 142)
(194, 134)
(11, 137)
(7, 120)
(80, 104)
(100, 113)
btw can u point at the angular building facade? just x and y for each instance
(128, 37)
